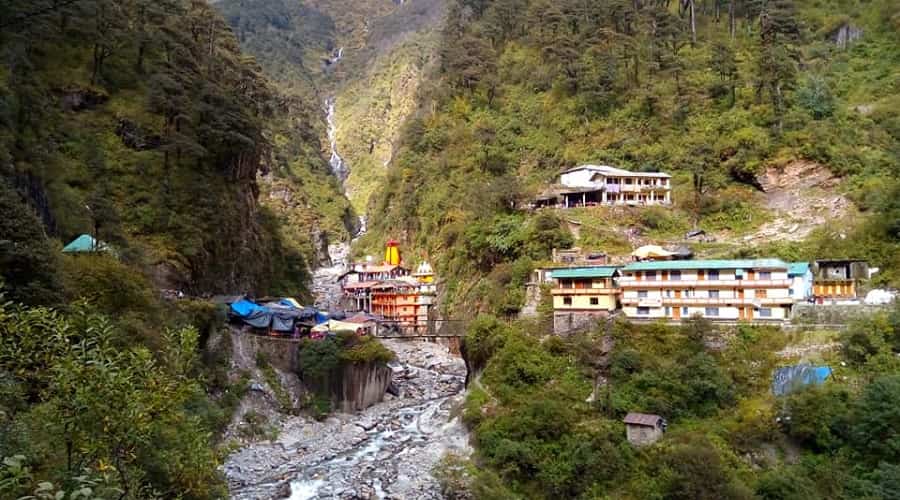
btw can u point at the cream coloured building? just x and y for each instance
(731, 290)
(605, 185)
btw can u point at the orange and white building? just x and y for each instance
(388, 290)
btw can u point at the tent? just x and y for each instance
(790, 378)
(85, 244)
(336, 326)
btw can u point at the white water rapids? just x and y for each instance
(386, 451)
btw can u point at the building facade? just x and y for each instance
(582, 296)
(731, 290)
(801, 277)
(604, 185)
(838, 279)
(643, 429)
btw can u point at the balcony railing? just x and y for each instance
(688, 301)
(631, 283)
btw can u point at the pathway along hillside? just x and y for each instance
(385, 451)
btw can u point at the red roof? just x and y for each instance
(642, 419)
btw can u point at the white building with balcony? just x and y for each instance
(605, 185)
(752, 290)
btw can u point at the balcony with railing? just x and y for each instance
(632, 283)
(704, 301)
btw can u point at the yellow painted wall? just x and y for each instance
(605, 302)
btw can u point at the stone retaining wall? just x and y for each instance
(828, 314)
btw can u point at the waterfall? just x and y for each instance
(338, 167)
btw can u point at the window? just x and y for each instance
(565, 284)
(650, 275)
(765, 312)
(669, 293)
(765, 275)
(642, 294)
(712, 311)
(567, 301)
(762, 294)
(714, 294)
(643, 311)
(684, 311)
(713, 274)
(595, 301)
(675, 276)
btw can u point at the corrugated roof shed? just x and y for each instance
(706, 264)
(584, 272)
(798, 268)
(642, 419)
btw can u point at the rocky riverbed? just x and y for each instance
(387, 451)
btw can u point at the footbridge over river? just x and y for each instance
(448, 332)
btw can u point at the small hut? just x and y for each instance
(643, 429)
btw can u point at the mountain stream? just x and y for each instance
(387, 451)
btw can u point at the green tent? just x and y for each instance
(85, 243)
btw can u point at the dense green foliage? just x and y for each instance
(142, 123)
(80, 400)
(538, 437)
(713, 92)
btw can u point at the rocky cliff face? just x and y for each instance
(356, 387)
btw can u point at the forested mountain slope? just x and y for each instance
(139, 122)
(717, 93)
(369, 56)
(143, 122)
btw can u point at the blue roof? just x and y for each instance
(798, 268)
(584, 272)
(661, 265)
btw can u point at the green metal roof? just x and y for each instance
(661, 265)
(584, 272)
(798, 268)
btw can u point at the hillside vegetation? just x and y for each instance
(139, 122)
(387, 47)
(546, 414)
(527, 88)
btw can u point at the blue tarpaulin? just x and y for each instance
(790, 378)
(243, 308)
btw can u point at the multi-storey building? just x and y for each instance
(582, 296)
(388, 291)
(604, 185)
(756, 290)
(398, 303)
